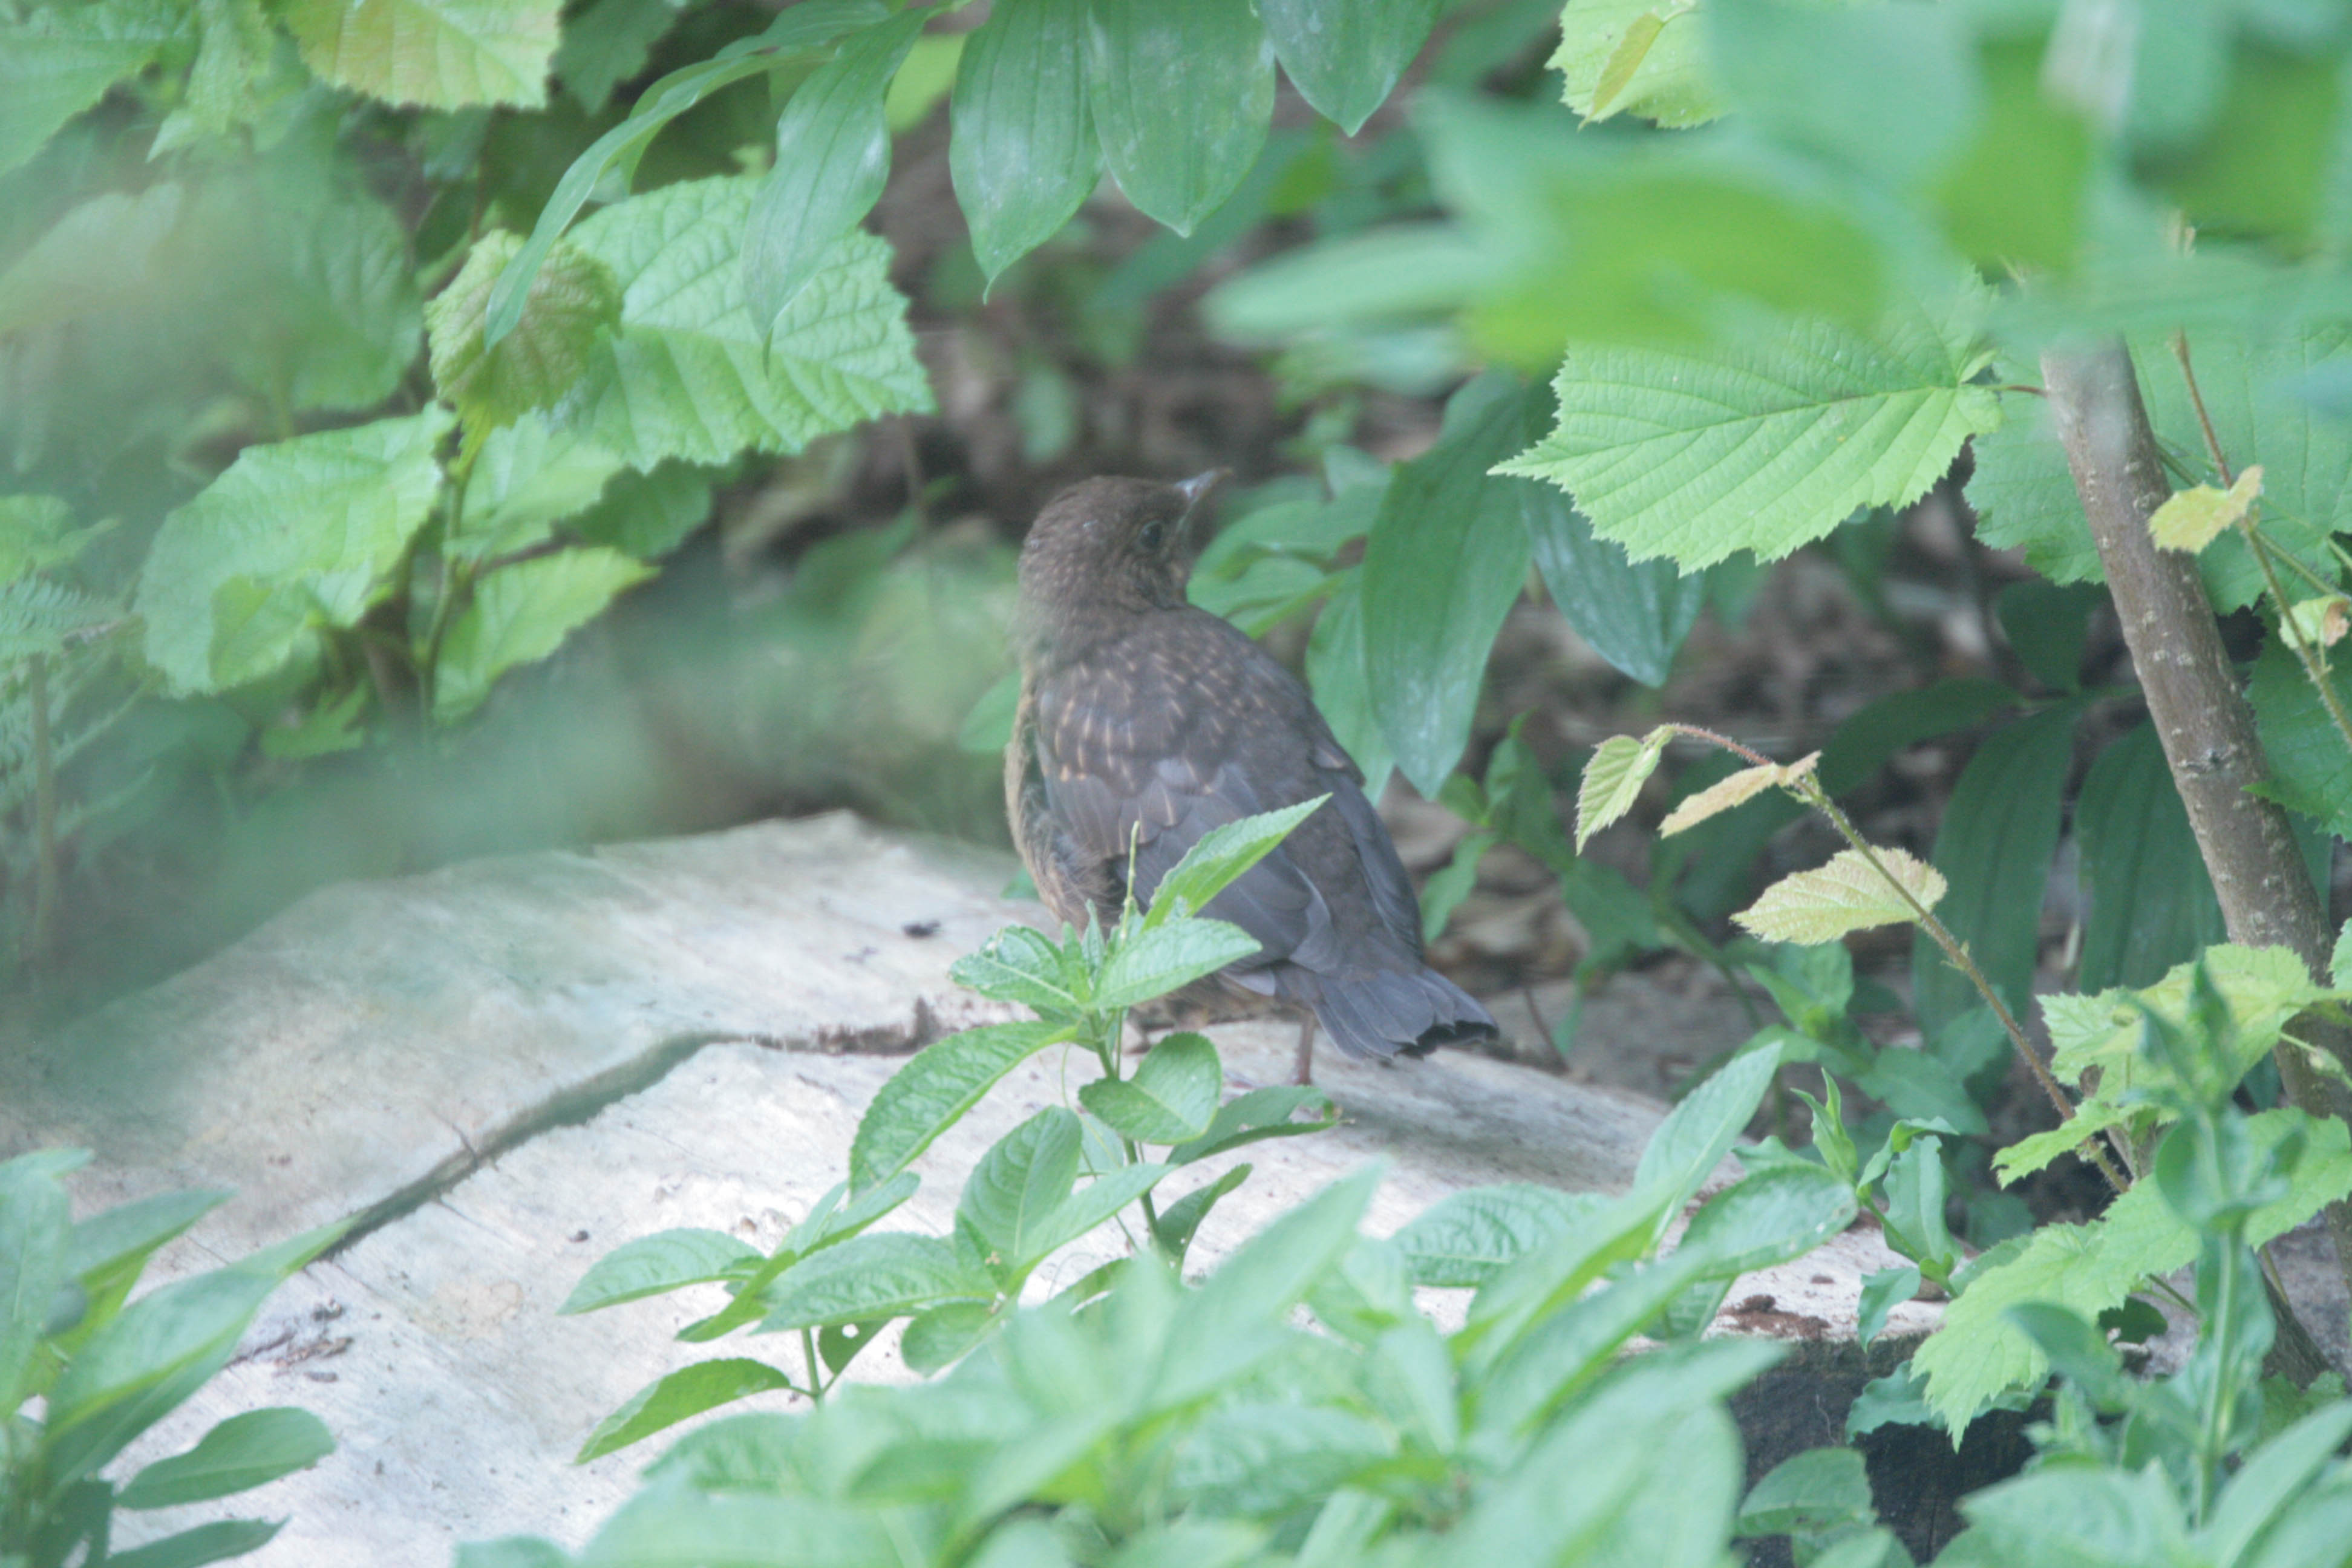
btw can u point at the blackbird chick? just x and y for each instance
(1144, 717)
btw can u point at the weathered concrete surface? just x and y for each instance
(530, 1061)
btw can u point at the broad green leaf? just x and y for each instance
(1446, 560)
(832, 155)
(511, 1552)
(1853, 892)
(2152, 903)
(1999, 832)
(1345, 59)
(240, 1453)
(2264, 989)
(1260, 1114)
(1867, 742)
(1887, 90)
(1613, 778)
(1171, 1098)
(238, 79)
(1335, 670)
(434, 54)
(1177, 1223)
(2047, 625)
(1464, 1237)
(1451, 883)
(1819, 1489)
(1883, 1290)
(648, 514)
(2024, 494)
(2079, 1514)
(1263, 1461)
(808, 26)
(607, 42)
(98, 253)
(1765, 444)
(127, 1233)
(1155, 960)
(2311, 767)
(1182, 96)
(883, 1274)
(186, 1326)
(318, 521)
(674, 1397)
(35, 1222)
(692, 374)
(666, 1260)
(1220, 857)
(1769, 1218)
(924, 1098)
(2272, 1477)
(522, 613)
(1667, 81)
(1634, 616)
(2193, 518)
(1022, 1178)
(573, 299)
(1684, 1152)
(527, 477)
(1023, 156)
(214, 1543)
(1019, 964)
(680, 1526)
(57, 60)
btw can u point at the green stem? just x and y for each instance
(428, 665)
(815, 1369)
(44, 816)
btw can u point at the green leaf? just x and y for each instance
(883, 1274)
(1851, 892)
(97, 254)
(648, 515)
(1174, 1226)
(2311, 767)
(239, 1453)
(1182, 96)
(1221, 856)
(522, 613)
(527, 477)
(511, 1552)
(2079, 1515)
(57, 60)
(1263, 1461)
(2024, 494)
(1613, 778)
(572, 301)
(1335, 671)
(1445, 889)
(1866, 742)
(682, 1526)
(650, 1264)
(1445, 561)
(606, 43)
(927, 1095)
(1883, 1290)
(1023, 156)
(1634, 616)
(36, 1222)
(1172, 1097)
(123, 1236)
(687, 1392)
(1769, 1219)
(694, 375)
(434, 54)
(1022, 1178)
(2152, 903)
(1999, 832)
(1021, 964)
(935, 1338)
(1155, 960)
(1668, 82)
(2046, 625)
(213, 1543)
(1346, 59)
(1465, 1238)
(1260, 1114)
(832, 155)
(317, 522)
(1819, 1489)
(1763, 445)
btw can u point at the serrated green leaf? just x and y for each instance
(2264, 989)
(57, 60)
(434, 54)
(572, 301)
(925, 1096)
(1731, 791)
(689, 375)
(1022, 964)
(1634, 616)
(648, 514)
(2339, 961)
(833, 156)
(1260, 1113)
(2152, 902)
(1465, 1238)
(879, 1274)
(1613, 778)
(1156, 960)
(239, 1453)
(1848, 894)
(238, 76)
(650, 1264)
(321, 519)
(1024, 157)
(674, 1397)
(528, 476)
(1763, 445)
(1221, 856)
(1666, 80)
(1182, 96)
(522, 613)
(1172, 1097)
(1345, 59)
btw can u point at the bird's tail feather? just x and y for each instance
(1382, 1013)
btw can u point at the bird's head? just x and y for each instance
(1105, 548)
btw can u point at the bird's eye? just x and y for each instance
(1154, 535)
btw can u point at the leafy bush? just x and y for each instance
(84, 1371)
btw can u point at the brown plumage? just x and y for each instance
(1143, 717)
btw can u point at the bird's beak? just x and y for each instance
(1196, 489)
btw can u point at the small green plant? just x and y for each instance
(104, 1369)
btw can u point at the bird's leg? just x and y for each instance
(1304, 1072)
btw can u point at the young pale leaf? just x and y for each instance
(1156, 960)
(522, 613)
(1849, 894)
(1221, 855)
(1182, 96)
(1023, 156)
(884, 1274)
(666, 1260)
(1260, 1113)
(434, 54)
(1345, 59)
(2322, 621)
(317, 522)
(573, 298)
(1646, 58)
(1765, 443)
(694, 373)
(2193, 518)
(832, 155)
(1636, 615)
(689, 1391)
(924, 1098)
(241, 1453)
(1172, 1097)
(1613, 779)
(1734, 790)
